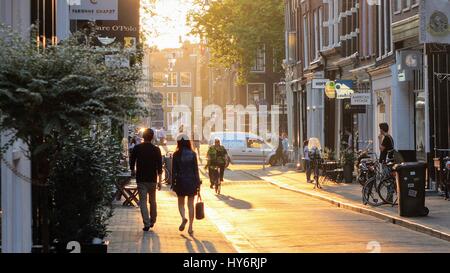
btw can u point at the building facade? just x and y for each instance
(173, 74)
(376, 47)
(18, 203)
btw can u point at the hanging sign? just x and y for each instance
(94, 10)
(330, 90)
(344, 89)
(361, 99)
(319, 83)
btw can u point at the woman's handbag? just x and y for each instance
(199, 208)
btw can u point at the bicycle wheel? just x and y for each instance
(362, 179)
(370, 194)
(387, 190)
(165, 176)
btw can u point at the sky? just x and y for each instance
(170, 23)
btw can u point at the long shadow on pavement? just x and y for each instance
(150, 243)
(234, 202)
(201, 246)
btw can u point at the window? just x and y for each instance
(366, 29)
(305, 41)
(406, 4)
(398, 6)
(320, 26)
(260, 60)
(316, 34)
(186, 99)
(158, 79)
(384, 29)
(185, 79)
(277, 96)
(256, 93)
(172, 80)
(276, 67)
(175, 120)
(172, 99)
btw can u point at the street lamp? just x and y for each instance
(282, 95)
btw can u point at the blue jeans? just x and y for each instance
(147, 194)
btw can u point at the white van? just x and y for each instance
(244, 147)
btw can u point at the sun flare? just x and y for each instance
(167, 25)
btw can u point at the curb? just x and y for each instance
(363, 210)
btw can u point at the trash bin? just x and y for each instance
(411, 189)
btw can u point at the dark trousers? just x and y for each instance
(216, 174)
(308, 170)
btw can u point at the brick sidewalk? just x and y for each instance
(127, 236)
(348, 196)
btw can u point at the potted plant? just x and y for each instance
(81, 182)
(329, 154)
(348, 162)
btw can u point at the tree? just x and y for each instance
(235, 29)
(49, 93)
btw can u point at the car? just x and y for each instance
(245, 148)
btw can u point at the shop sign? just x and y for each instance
(344, 89)
(122, 28)
(319, 83)
(354, 109)
(402, 76)
(361, 99)
(94, 10)
(330, 90)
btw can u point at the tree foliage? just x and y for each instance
(47, 92)
(82, 178)
(235, 29)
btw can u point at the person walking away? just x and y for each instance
(315, 157)
(147, 159)
(386, 142)
(130, 149)
(186, 180)
(162, 136)
(307, 161)
(217, 158)
(285, 143)
(279, 151)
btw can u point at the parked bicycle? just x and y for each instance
(167, 173)
(381, 186)
(444, 173)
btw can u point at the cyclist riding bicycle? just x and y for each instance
(217, 162)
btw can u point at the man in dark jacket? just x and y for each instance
(148, 161)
